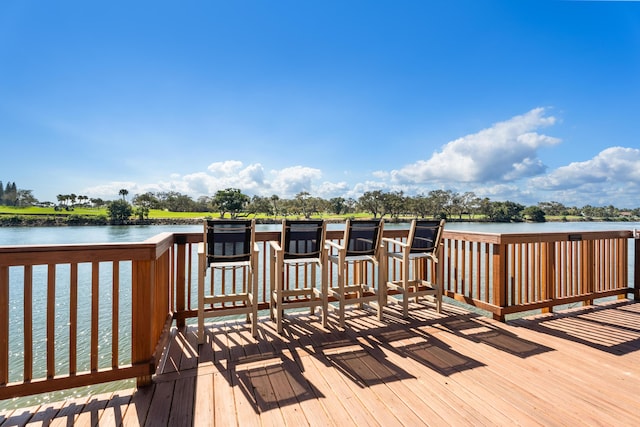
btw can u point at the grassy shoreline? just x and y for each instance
(47, 216)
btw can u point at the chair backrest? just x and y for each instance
(302, 239)
(229, 240)
(362, 237)
(425, 236)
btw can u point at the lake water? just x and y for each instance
(107, 234)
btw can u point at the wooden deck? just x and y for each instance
(457, 368)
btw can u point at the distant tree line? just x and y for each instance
(436, 203)
(379, 204)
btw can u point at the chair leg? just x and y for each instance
(201, 302)
(279, 309)
(438, 285)
(325, 309)
(341, 296)
(200, 328)
(383, 277)
(271, 307)
(279, 321)
(405, 297)
(254, 309)
(324, 296)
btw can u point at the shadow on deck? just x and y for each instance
(455, 368)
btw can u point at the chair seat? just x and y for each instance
(412, 256)
(237, 264)
(354, 258)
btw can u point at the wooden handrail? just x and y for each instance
(148, 285)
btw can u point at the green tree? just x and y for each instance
(372, 201)
(230, 200)
(301, 203)
(119, 211)
(10, 195)
(393, 204)
(123, 192)
(534, 214)
(420, 206)
(338, 205)
(440, 202)
(553, 208)
(147, 199)
(506, 211)
(143, 204)
(25, 198)
(260, 205)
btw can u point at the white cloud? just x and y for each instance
(613, 165)
(292, 180)
(224, 169)
(611, 177)
(506, 151)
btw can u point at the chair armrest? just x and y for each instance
(201, 248)
(275, 245)
(333, 244)
(395, 242)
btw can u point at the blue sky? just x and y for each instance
(514, 100)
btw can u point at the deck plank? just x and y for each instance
(19, 417)
(203, 404)
(138, 409)
(160, 407)
(113, 414)
(46, 415)
(579, 367)
(92, 410)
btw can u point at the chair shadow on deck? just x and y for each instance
(267, 375)
(477, 329)
(611, 327)
(359, 352)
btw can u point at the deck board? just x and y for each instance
(580, 367)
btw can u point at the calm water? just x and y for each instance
(107, 234)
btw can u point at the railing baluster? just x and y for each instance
(28, 322)
(95, 308)
(115, 315)
(73, 319)
(4, 324)
(51, 317)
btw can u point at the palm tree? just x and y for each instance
(274, 200)
(124, 192)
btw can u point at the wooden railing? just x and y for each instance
(119, 300)
(512, 273)
(62, 281)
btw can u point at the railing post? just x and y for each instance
(636, 265)
(142, 301)
(548, 274)
(181, 278)
(499, 279)
(588, 273)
